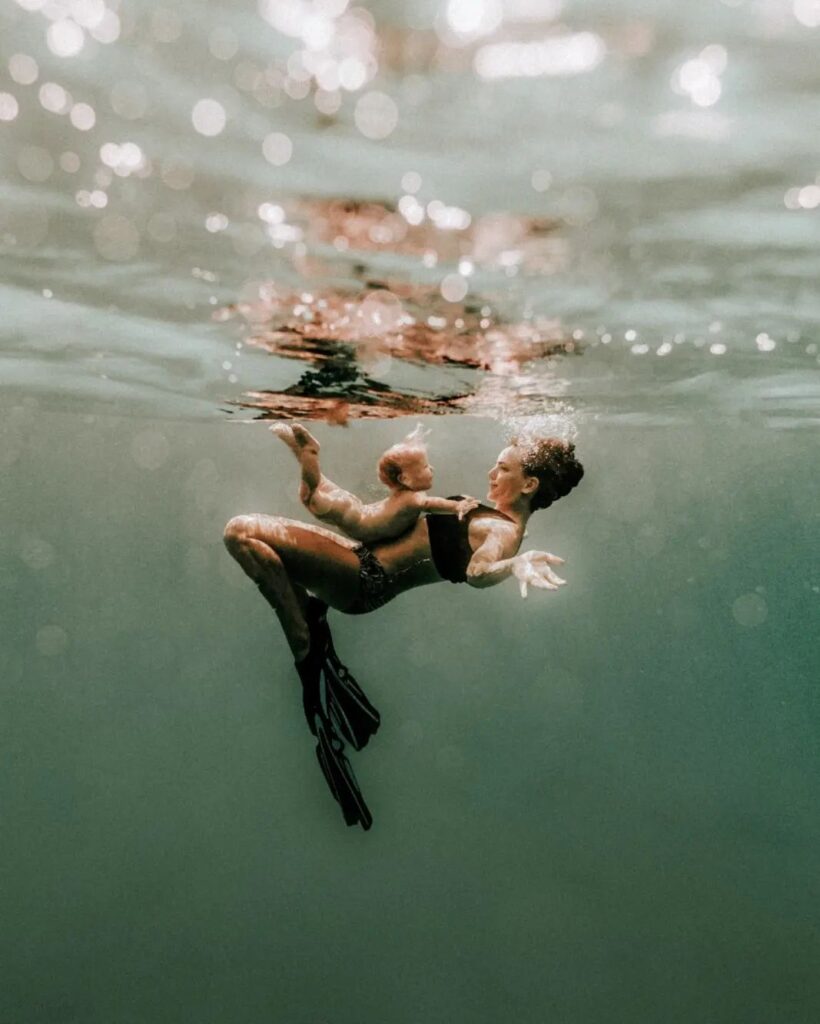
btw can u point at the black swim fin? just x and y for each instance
(339, 776)
(345, 703)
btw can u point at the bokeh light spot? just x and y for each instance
(208, 117)
(23, 69)
(54, 98)
(116, 238)
(277, 149)
(9, 107)
(454, 287)
(65, 38)
(376, 115)
(82, 116)
(750, 610)
(35, 163)
(69, 162)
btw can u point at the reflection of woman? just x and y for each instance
(290, 560)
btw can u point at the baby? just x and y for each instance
(403, 469)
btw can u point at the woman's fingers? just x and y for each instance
(545, 556)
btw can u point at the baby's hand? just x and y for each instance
(466, 505)
(533, 569)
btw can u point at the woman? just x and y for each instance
(290, 561)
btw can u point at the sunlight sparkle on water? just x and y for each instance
(123, 159)
(472, 18)
(339, 45)
(555, 56)
(411, 209)
(699, 78)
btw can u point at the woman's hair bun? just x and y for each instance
(553, 462)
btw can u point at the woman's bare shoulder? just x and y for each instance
(484, 527)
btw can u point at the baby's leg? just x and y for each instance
(306, 449)
(320, 496)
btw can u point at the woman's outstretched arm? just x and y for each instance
(488, 566)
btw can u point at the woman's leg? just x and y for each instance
(286, 559)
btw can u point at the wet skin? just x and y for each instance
(287, 559)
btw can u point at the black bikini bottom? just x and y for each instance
(375, 586)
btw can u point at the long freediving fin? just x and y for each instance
(340, 778)
(345, 703)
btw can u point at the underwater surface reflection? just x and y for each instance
(598, 221)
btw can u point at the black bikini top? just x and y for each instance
(450, 540)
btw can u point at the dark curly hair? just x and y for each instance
(553, 463)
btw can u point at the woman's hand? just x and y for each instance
(466, 505)
(533, 569)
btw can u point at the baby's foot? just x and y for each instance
(284, 431)
(295, 437)
(304, 438)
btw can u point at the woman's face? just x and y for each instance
(508, 481)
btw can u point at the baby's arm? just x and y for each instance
(385, 519)
(448, 507)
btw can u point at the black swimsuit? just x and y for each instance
(375, 586)
(450, 541)
(449, 546)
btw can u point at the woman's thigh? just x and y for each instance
(314, 558)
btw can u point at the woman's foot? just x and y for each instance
(328, 688)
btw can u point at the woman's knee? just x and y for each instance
(236, 531)
(241, 529)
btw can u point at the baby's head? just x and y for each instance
(404, 467)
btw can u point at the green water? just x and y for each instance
(598, 805)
